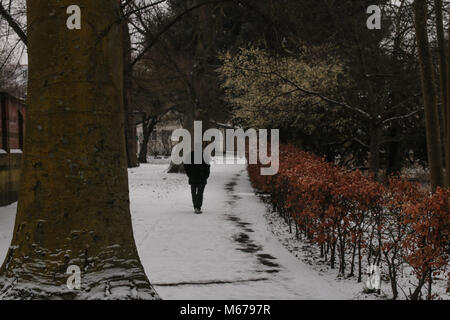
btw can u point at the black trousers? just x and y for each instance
(197, 195)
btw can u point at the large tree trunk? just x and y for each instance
(434, 146)
(73, 201)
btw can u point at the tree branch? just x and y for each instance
(401, 117)
(169, 25)
(13, 24)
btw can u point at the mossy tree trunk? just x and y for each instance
(73, 202)
(434, 146)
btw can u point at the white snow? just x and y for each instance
(7, 216)
(188, 256)
(228, 252)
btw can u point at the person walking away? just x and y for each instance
(198, 175)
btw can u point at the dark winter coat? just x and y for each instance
(197, 173)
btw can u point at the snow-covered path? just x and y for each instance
(228, 252)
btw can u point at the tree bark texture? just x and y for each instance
(73, 201)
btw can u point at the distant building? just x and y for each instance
(12, 131)
(160, 142)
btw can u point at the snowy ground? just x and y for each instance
(7, 216)
(229, 252)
